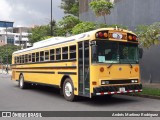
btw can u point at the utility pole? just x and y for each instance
(6, 51)
(51, 20)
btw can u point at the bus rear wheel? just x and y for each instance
(22, 84)
(68, 90)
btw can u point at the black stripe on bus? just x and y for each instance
(45, 62)
(49, 67)
(42, 84)
(68, 73)
(36, 72)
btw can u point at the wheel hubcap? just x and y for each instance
(68, 89)
(21, 82)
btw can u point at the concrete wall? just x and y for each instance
(150, 65)
(126, 12)
(132, 13)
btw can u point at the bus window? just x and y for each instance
(46, 55)
(52, 54)
(42, 56)
(15, 60)
(29, 58)
(22, 59)
(37, 56)
(33, 57)
(26, 58)
(72, 52)
(65, 53)
(58, 54)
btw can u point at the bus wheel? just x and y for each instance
(68, 90)
(22, 84)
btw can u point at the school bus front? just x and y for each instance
(114, 64)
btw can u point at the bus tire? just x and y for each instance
(22, 84)
(68, 90)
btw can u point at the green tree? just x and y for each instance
(65, 26)
(88, 26)
(83, 27)
(101, 7)
(39, 33)
(70, 7)
(149, 34)
(7, 50)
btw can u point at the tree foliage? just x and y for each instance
(39, 33)
(7, 50)
(83, 27)
(65, 26)
(70, 7)
(101, 7)
(149, 34)
(88, 26)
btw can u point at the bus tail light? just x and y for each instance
(94, 83)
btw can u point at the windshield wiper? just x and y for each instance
(110, 65)
(131, 66)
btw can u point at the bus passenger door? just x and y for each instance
(84, 69)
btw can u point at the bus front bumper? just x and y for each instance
(119, 89)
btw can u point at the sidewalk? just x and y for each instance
(4, 72)
(151, 85)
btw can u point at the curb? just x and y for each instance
(145, 96)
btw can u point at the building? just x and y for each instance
(16, 36)
(9, 40)
(126, 12)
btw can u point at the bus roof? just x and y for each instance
(60, 40)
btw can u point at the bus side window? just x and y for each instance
(65, 53)
(46, 55)
(72, 52)
(52, 54)
(33, 57)
(15, 60)
(37, 56)
(42, 56)
(29, 58)
(58, 54)
(22, 59)
(26, 58)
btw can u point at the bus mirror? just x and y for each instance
(140, 53)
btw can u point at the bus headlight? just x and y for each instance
(104, 82)
(134, 81)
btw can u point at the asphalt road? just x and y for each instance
(41, 98)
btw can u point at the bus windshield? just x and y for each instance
(115, 52)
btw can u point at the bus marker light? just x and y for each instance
(101, 69)
(94, 83)
(130, 37)
(100, 34)
(105, 35)
(136, 69)
(134, 38)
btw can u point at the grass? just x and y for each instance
(150, 91)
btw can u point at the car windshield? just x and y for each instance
(114, 52)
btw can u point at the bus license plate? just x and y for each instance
(122, 89)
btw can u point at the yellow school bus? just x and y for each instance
(99, 62)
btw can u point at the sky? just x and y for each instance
(30, 12)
